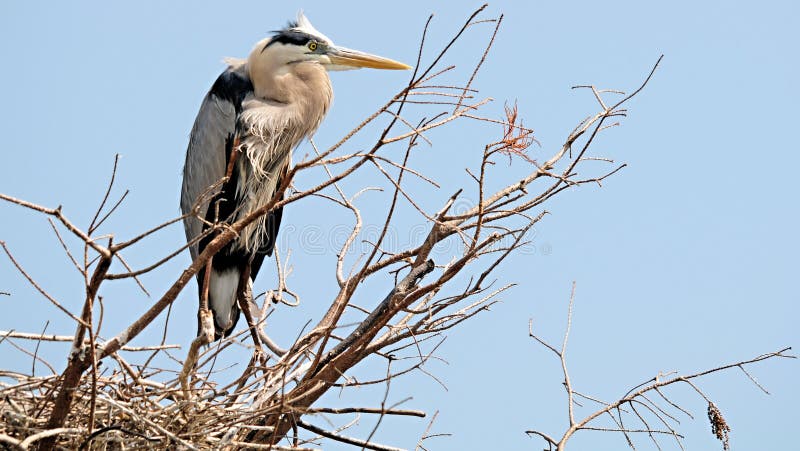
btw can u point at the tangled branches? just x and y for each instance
(102, 398)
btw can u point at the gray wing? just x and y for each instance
(205, 157)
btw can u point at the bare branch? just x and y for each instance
(637, 396)
(343, 439)
(38, 288)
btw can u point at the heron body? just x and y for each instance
(257, 111)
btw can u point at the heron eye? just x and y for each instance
(312, 45)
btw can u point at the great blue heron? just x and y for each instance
(256, 112)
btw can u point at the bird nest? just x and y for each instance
(126, 410)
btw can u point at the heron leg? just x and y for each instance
(245, 298)
(205, 319)
(205, 334)
(233, 156)
(205, 287)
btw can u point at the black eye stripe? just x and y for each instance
(289, 37)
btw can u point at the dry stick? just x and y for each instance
(449, 44)
(93, 367)
(30, 440)
(92, 287)
(480, 63)
(274, 439)
(393, 204)
(627, 430)
(63, 338)
(124, 244)
(619, 422)
(660, 414)
(500, 122)
(112, 209)
(434, 219)
(387, 339)
(650, 403)
(64, 246)
(408, 124)
(416, 366)
(135, 276)
(406, 169)
(562, 355)
(283, 271)
(92, 227)
(436, 124)
(646, 425)
(345, 158)
(399, 189)
(36, 285)
(610, 111)
(56, 212)
(103, 430)
(550, 441)
(425, 435)
(343, 439)
(204, 197)
(345, 410)
(408, 282)
(78, 363)
(36, 350)
(34, 356)
(481, 205)
(357, 227)
(383, 401)
(244, 445)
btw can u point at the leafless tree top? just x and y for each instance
(102, 398)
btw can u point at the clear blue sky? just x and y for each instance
(685, 260)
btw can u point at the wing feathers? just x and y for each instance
(206, 156)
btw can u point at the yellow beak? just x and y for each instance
(353, 58)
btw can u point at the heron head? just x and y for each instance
(301, 42)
